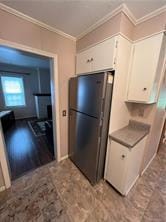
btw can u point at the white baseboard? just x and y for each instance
(148, 164)
(2, 188)
(64, 157)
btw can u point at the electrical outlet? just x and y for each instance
(64, 113)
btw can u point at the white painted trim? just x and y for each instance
(56, 118)
(124, 36)
(26, 48)
(94, 44)
(55, 102)
(151, 15)
(122, 8)
(143, 171)
(4, 161)
(2, 188)
(129, 14)
(35, 21)
(148, 36)
(64, 157)
(101, 21)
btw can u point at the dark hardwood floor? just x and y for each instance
(25, 150)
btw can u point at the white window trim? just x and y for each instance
(23, 84)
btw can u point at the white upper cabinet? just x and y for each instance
(104, 55)
(98, 57)
(83, 61)
(146, 64)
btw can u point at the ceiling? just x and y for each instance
(75, 16)
(11, 56)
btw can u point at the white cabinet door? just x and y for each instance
(83, 61)
(143, 68)
(123, 165)
(135, 158)
(103, 55)
(116, 163)
(99, 57)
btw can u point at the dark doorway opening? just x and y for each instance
(26, 110)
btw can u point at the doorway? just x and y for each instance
(27, 109)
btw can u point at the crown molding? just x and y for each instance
(35, 21)
(101, 21)
(119, 34)
(105, 39)
(129, 14)
(123, 8)
(151, 15)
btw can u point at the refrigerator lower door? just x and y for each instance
(84, 144)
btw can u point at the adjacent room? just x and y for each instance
(82, 111)
(26, 110)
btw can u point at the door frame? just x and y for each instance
(55, 107)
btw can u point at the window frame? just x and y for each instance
(22, 80)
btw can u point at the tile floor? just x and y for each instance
(59, 192)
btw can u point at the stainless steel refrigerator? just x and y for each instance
(89, 113)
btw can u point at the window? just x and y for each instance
(13, 90)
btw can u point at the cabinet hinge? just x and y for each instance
(116, 44)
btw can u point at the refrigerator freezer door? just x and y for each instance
(84, 147)
(86, 94)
